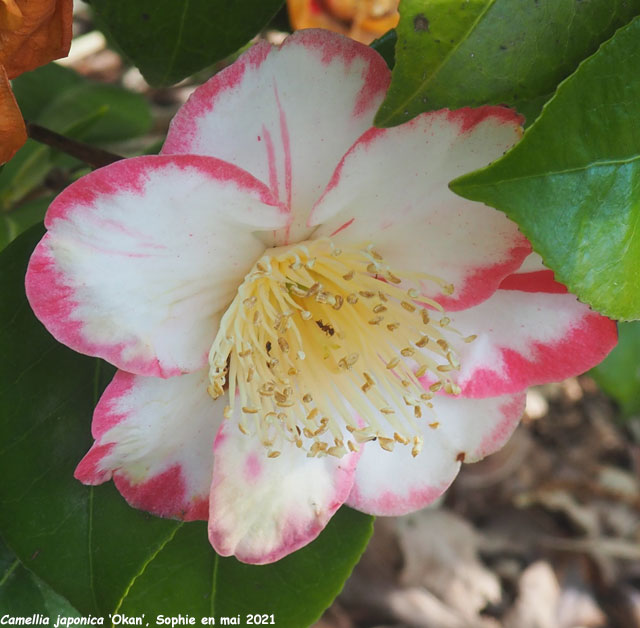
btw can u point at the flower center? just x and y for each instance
(326, 348)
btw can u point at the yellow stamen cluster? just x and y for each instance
(325, 348)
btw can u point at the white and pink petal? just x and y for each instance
(531, 331)
(391, 189)
(142, 256)
(461, 430)
(263, 508)
(154, 437)
(286, 114)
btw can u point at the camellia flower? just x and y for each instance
(301, 294)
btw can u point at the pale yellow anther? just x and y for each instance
(386, 443)
(400, 439)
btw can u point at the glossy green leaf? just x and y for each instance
(171, 39)
(295, 590)
(86, 543)
(22, 594)
(455, 53)
(619, 374)
(573, 182)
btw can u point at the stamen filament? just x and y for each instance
(320, 340)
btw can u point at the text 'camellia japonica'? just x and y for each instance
(302, 313)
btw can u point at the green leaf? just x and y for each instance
(296, 589)
(385, 46)
(123, 114)
(23, 594)
(67, 103)
(171, 39)
(30, 165)
(13, 223)
(23, 173)
(455, 53)
(35, 90)
(619, 374)
(86, 543)
(573, 182)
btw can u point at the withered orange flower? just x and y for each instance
(32, 33)
(362, 20)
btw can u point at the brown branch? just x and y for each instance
(91, 155)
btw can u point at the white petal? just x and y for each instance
(265, 508)
(395, 483)
(528, 336)
(155, 438)
(286, 115)
(392, 189)
(141, 257)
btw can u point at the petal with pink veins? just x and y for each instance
(142, 257)
(262, 508)
(461, 430)
(531, 331)
(154, 437)
(286, 115)
(391, 189)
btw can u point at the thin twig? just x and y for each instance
(91, 155)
